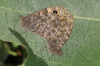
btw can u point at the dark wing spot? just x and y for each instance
(55, 25)
(48, 34)
(55, 12)
(53, 30)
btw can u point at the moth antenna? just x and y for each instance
(69, 56)
(41, 49)
(15, 29)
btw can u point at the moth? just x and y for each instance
(54, 24)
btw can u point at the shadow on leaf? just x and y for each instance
(32, 59)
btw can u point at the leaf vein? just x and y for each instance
(32, 12)
(87, 18)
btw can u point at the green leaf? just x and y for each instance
(3, 53)
(85, 32)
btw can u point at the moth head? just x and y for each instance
(22, 20)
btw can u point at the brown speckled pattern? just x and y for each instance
(54, 24)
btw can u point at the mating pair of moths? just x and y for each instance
(54, 24)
